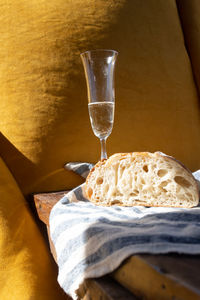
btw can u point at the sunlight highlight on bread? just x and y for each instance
(142, 178)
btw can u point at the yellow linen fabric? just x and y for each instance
(44, 118)
(26, 269)
(189, 12)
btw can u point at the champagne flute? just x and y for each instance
(99, 67)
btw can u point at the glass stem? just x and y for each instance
(103, 148)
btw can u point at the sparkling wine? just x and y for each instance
(102, 118)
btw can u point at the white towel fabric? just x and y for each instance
(92, 241)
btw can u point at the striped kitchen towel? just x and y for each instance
(92, 241)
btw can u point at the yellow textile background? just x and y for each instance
(189, 12)
(44, 119)
(26, 269)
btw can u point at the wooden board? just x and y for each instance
(146, 276)
(104, 288)
(161, 276)
(44, 203)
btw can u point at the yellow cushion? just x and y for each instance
(189, 14)
(43, 103)
(26, 269)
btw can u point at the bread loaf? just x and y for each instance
(142, 178)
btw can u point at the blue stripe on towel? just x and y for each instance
(146, 222)
(145, 229)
